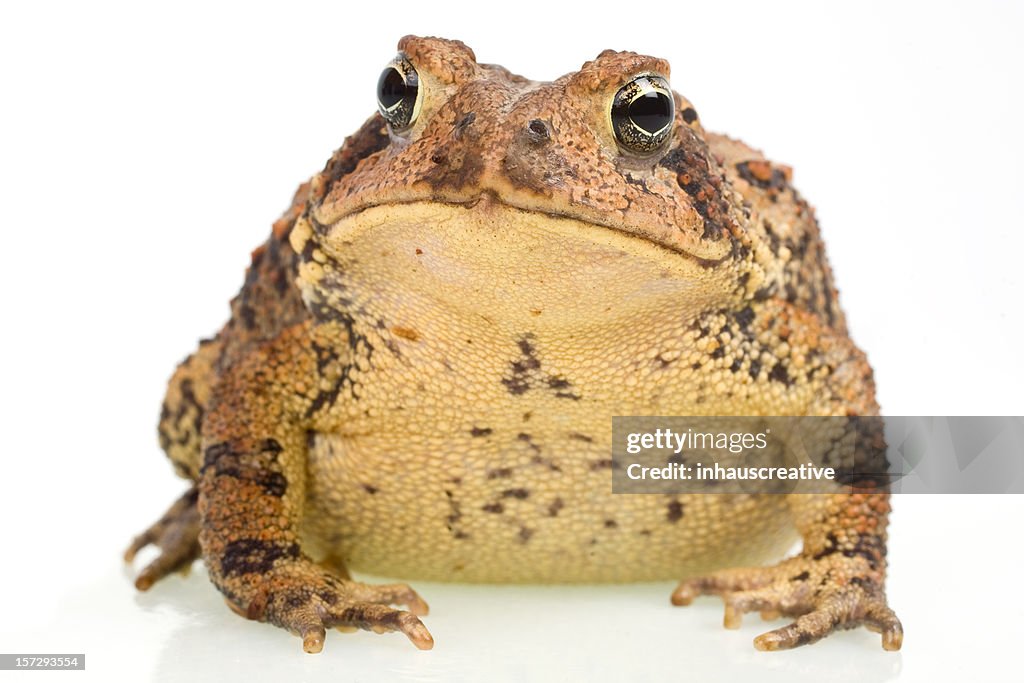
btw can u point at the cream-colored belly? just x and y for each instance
(498, 514)
(494, 464)
(477, 438)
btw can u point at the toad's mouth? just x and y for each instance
(503, 262)
(489, 205)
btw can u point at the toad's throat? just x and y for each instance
(508, 263)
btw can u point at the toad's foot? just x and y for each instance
(305, 599)
(825, 594)
(177, 536)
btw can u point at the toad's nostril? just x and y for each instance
(539, 131)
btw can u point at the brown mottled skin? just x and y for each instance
(419, 372)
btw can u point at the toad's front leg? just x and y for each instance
(836, 582)
(838, 579)
(252, 490)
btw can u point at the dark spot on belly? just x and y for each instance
(525, 534)
(556, 505)
(519, 494)
(517, 383)
(603, 464)
(480, 431)
(454, 516)
(522, 369)
(524, 373)
(500, 473)
(675, 511)
(610, 524)
(581, 437)
(550, 464)
(528, 440)
(562, 388)
(494, 508)
(370, 489)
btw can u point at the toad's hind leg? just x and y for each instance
(268, 302)
(181, 416)
(176, 533)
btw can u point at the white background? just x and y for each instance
(146, 149)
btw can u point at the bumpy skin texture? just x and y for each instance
(419, 373)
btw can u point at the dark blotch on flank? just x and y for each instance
(755, 369)
(744, 317)
(779, 374)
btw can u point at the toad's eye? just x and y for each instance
(398, 93)
(642, 114)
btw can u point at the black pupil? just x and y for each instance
(391, 88)
(652, 111)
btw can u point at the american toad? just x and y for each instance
(419, 372)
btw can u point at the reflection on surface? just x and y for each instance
(182, 631)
